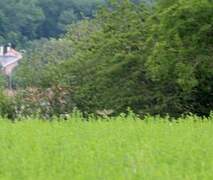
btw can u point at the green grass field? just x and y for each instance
(117, 149)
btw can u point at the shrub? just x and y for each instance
(46, 103)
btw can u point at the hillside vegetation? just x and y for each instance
(26, 20)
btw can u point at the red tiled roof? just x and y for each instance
(13, 53)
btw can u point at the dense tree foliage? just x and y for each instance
(155, 63)
(153, 59)
(110, 61)
(25, 20)
(180, 54)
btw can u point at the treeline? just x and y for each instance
(153, 59)
(24, 20)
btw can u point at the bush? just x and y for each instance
(6, 105)
(45, 103)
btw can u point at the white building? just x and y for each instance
(9, 59)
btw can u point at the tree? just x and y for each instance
(180, 56)
(16, 26)
(107, 66)
(39, 67)
(22, 21)
(59, 14)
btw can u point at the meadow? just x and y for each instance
(120, 148)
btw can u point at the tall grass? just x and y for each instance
(114, 149)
